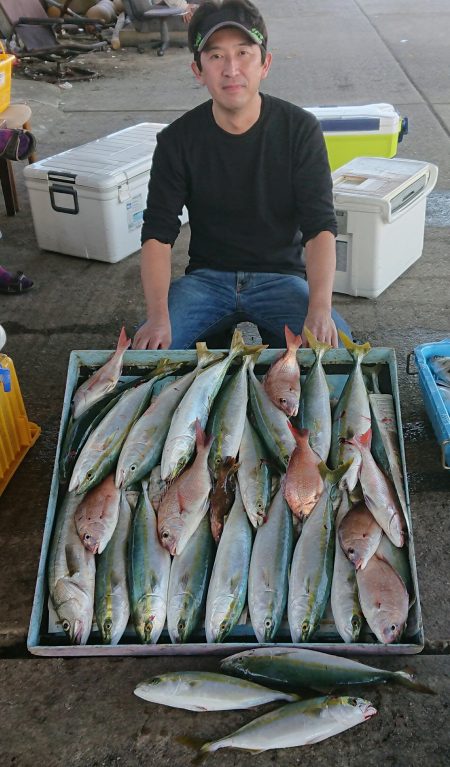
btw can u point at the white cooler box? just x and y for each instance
(380, 207)
(89, 201)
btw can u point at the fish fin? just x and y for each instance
(293, 342)
(253, 352)
(404, 678)
(356, 350)
(205, 356)
(123, 342)
(364, 440)
(195, 744)
(202, 440)
(334, 476)
(300, 435)
(320, 347)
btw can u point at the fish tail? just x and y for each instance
(293, 342)
(123, 342)
(356, 350)
(202, 440)
(319, 347)
(334, 476)
(205, 356)
(195, 744)
(253, 351)
(365, 440)
(237, 343)
(405, 679)
(300, 435)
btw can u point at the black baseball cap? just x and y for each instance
(228, 16)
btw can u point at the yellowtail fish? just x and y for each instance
(296, 724)
(315, 408)
(207, 691)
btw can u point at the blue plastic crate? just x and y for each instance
(434, 404)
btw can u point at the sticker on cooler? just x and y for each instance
(135, 212)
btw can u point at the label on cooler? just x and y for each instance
(135, 212)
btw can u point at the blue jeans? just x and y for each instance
(208, 303)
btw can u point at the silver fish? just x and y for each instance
(347, 613)
(254, 475)
(206, 691)
(188, 583)
(312, 563)
(195, 406)
(144, 444)
(101, 450)
(315, 408)
(296, 724)
(228, 585)
(271, 423)
(148, 573)
(112, 605)
(268, 576)
(71, 575)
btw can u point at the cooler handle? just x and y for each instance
(59, 189)
(404, 129)
(443, 458)
(429, 186)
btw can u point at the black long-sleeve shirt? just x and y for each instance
(254, 199)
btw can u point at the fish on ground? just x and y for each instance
(103, 380)
(282, 380)
(71, 575)
(187, 499)
(291, 668)
(207, 691)
(296, 724)
(303, 484)
(97, 514)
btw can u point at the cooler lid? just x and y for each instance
(368, 118)
(106, 162)
(377, 181)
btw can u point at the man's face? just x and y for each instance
(232, 69)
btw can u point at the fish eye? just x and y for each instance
(108, 623)
(352, 702)
(268, 623)
(351, 551)
(155, 680)
(181, 625)
(66, 625)
(133, 467)
(165, 535)
(86, 537)
(89, 475)
(282, 401)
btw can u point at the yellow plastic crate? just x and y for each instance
(6, 62)
(17, 433)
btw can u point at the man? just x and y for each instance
(254, 174)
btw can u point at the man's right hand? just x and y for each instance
(153, 335)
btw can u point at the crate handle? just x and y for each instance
(408, 365)
(60, 189)
(5, 376)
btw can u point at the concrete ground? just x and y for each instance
(82, 712)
